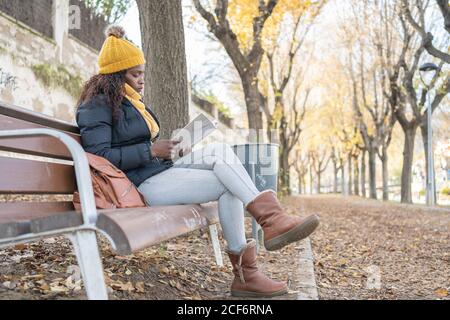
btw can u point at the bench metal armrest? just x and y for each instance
(81, 164)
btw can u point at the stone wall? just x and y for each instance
(37, 15)
(26, 58)
(91, 31)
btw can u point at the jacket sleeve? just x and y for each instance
(95, 123)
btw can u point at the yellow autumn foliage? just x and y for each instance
(241, 14)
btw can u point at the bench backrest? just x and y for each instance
(128, 229)
(31, 177)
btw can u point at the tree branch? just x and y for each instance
(441, 93)
(221, 29)
(258, 25)
(427, 37)
(444, 5)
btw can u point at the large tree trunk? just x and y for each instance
(384, 163)
(424, 133)
(408, 154)
(372, 174)
(363, 174)
(166, 72)
(253, 103)
(356, 175)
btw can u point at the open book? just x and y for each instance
(193, 133)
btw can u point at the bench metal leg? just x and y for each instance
(216, 244)
(255, 233)
(88, 256)
(260, 235)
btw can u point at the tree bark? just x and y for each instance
(444, 5)
(356, 175)
(343, 178)
(372, 174)
(284, 173)
(252, 101)
(363, 174)
(336, 172)
(408, 154)
(424, 134)
(385, 172)
(166, 72)
(318, 182)
(349, 160)
(300, 185)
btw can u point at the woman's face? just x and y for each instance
(135, 78)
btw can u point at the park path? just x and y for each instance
(367, 249)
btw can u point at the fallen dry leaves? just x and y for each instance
(410, 247)
(366, 249)
(183, 268)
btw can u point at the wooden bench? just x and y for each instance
(28, 133)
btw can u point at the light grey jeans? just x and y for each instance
(209, 174)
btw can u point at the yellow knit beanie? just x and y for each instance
(117, 53)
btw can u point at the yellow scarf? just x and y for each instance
(135, 99)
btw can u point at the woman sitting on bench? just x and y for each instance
(115, 124)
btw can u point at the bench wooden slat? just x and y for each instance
(16, 211)
(139, 228)
(131, 229)
(16, 217)
(14, 229)
(38, 146)
(20, 176)
(56, 221)
(36, 117)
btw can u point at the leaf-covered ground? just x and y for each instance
(363, 250)
(367, 249)
(183, 268)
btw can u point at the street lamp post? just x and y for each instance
(431, 183)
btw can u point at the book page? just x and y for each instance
(193, 133)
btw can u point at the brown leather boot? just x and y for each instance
(279, 228)
(248, 280)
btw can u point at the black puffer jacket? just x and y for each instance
(125, 143)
